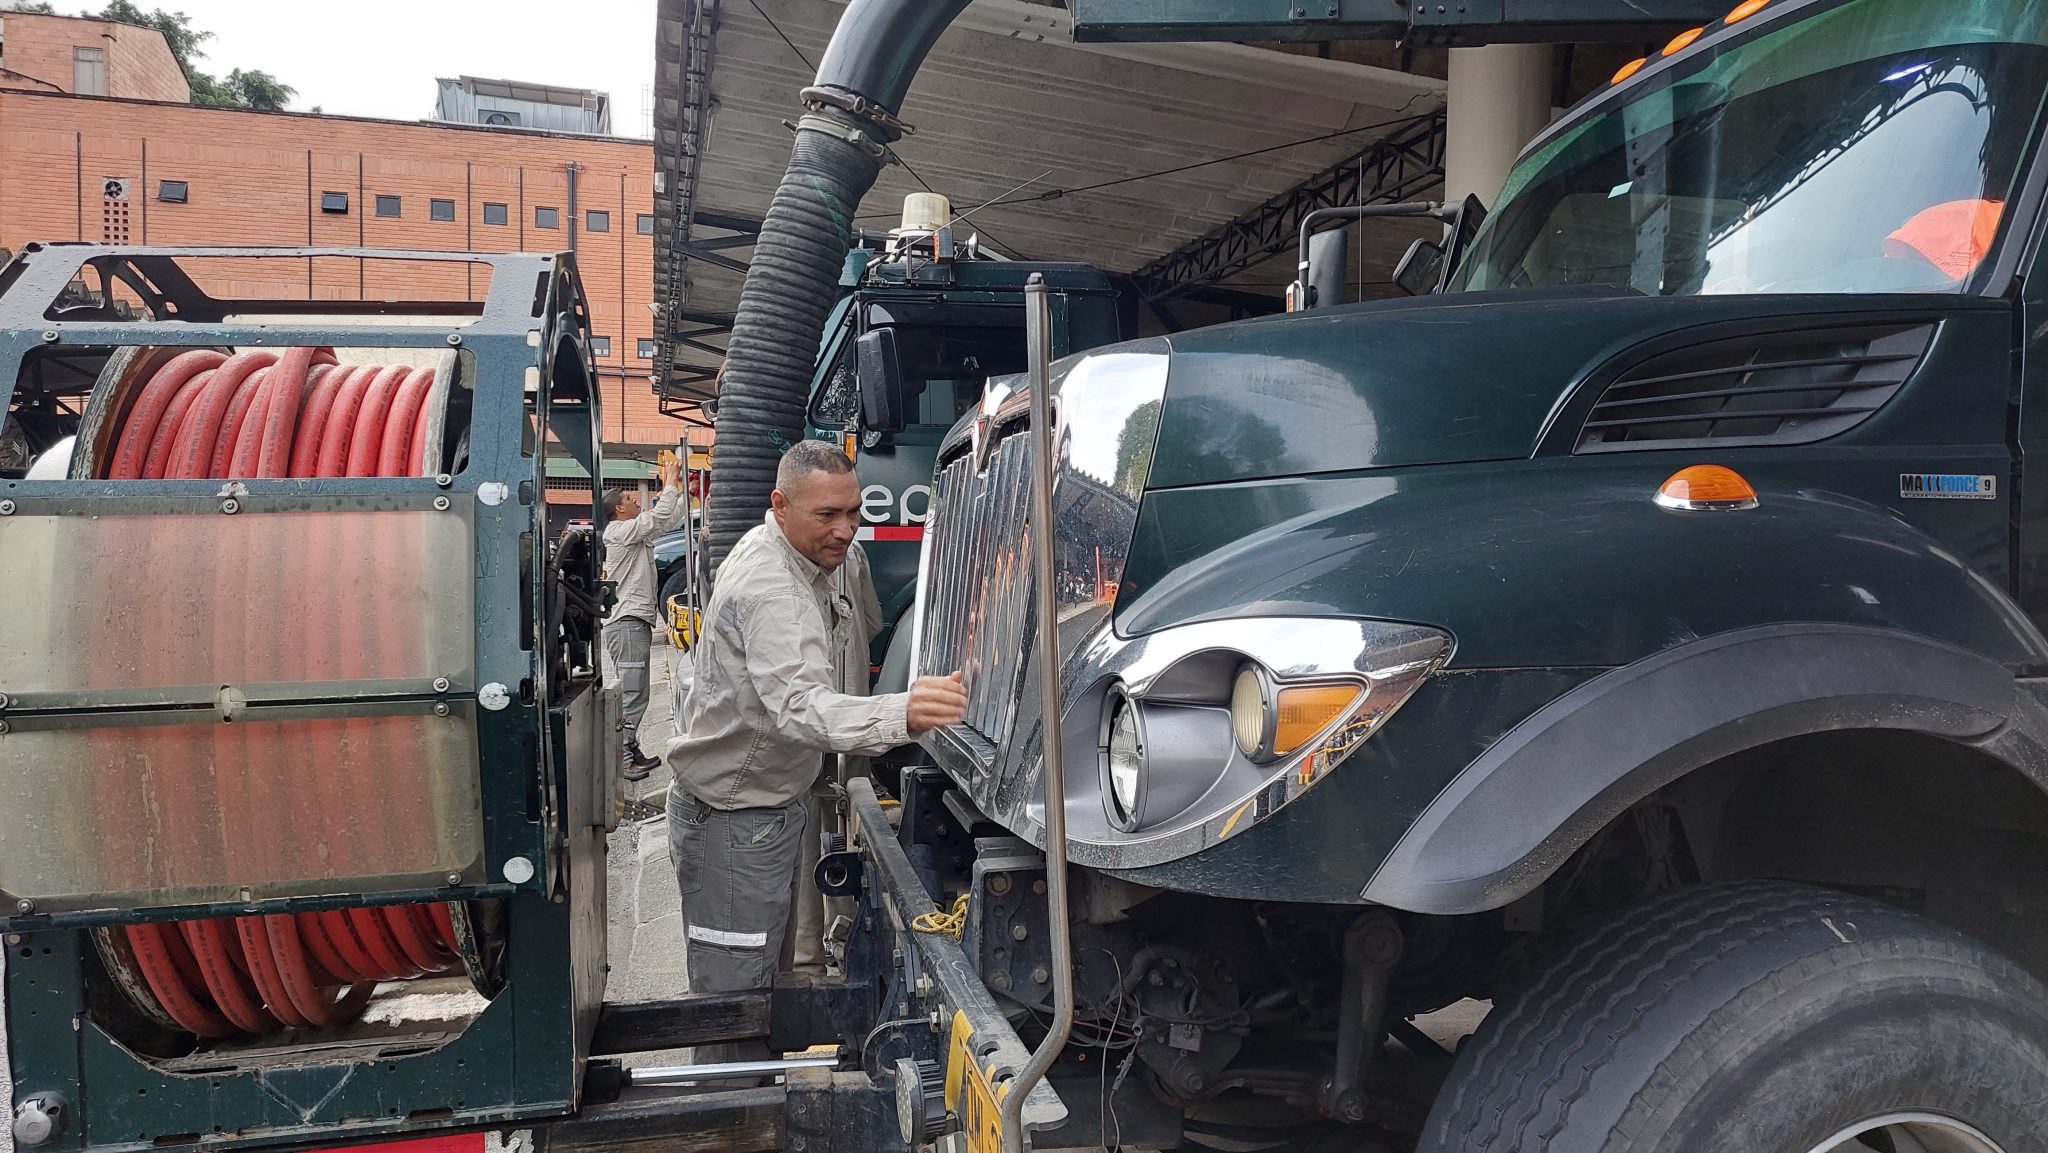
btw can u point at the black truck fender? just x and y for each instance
(1518, 811)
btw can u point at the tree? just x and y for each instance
(38, 8)
(258, 89)
(241, 89)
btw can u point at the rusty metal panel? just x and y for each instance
(179, 807)
(133, 611)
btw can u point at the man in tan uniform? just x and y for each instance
(628, 633)
(767, 700)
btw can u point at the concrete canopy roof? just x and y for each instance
(1006, 99)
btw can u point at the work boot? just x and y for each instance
(638, 764)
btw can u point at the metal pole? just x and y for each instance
(1038, 345)
(682, 1074)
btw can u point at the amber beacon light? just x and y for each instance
(1706, 488)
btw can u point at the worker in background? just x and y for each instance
(767, 701)
(629, 632)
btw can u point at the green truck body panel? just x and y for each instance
(1435, 482)
(1450, 505)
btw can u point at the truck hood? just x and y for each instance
(1385, 384)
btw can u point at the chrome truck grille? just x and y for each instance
(977, 596)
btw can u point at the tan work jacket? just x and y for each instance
(779, 677)
(629, 555)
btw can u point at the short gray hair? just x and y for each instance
(806, 457)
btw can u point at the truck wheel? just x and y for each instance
(1760, 1017)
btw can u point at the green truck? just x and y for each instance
(1642, 635)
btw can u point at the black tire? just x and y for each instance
(1753, 1018)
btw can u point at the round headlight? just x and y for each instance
(1123, 763)
(1251, 716)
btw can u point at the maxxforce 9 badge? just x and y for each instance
(1947, 486)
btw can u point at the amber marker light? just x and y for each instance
(1301, 712)
(1746, 9)
(1631, 68)
(1683, 41)
(1706, 488)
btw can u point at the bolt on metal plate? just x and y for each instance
(440, 504)
(6, 508)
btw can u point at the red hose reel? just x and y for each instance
(296, 412)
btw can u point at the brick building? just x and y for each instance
(142, 165)
(88, 57)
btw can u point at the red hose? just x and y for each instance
(266, 414)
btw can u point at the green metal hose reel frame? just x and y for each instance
(523, 801)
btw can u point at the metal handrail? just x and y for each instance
(1038, 340)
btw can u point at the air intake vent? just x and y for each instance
(1774, 388)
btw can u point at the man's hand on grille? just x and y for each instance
(935, 702)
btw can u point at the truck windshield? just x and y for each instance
(948, 352)
(1871, 146)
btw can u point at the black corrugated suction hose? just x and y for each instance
(790, 288)
(862, 80)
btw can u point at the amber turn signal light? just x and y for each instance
(1706, 488)
(1303, 711)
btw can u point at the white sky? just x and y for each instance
(380, 57)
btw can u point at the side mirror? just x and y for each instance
(1322, 274)
(880, 372)
(1421, 268)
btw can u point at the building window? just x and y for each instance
(334, 202)
(546, 218)
(89, 71)
(644, 224)
(495, 214)
(172, 191)
(600, 346)
(387, 205)
(440, 209)
(598, 221)
(645, 349)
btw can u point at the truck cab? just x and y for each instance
(951, 325)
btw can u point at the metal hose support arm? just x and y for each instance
(793, 278)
